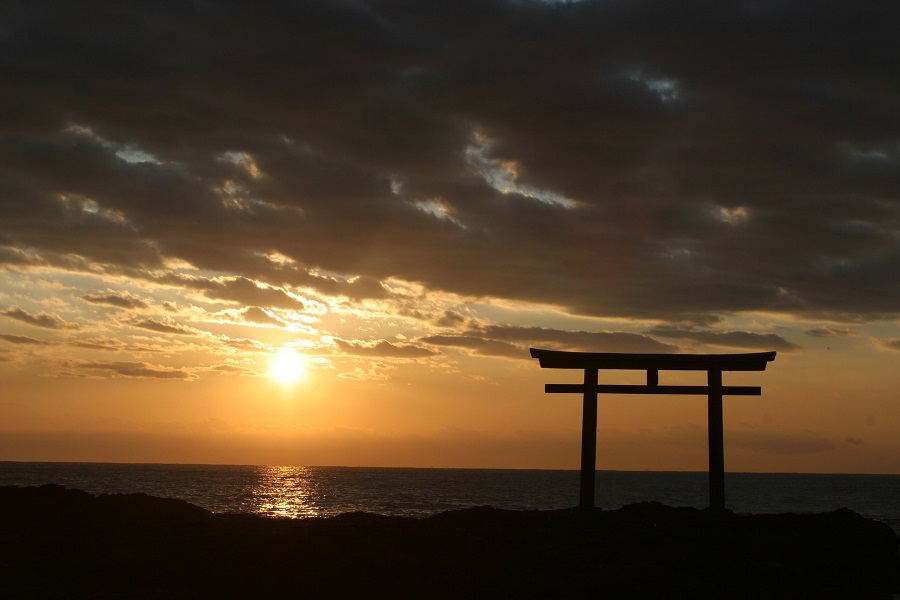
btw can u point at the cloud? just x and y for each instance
(238, 289)
(233, 370)
(637, 174)
(255, 314)
(584, 341)
(829, 332)
(10, 256)
(478, 345)
(103, 343)
(117, 299)
(893, 344)
(383, 348)
(450, 318)
(45, 320)
(20, 339)
(374, 373)
(729, 339)
(243, 344)
(132, 369)
(151, 325)
(513, 341)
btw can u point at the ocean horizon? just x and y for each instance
(322, 491)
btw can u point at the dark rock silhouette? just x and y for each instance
(57, 542)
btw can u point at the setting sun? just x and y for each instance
(288, 367)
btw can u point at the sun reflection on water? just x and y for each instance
(283, 492)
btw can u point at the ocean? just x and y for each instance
(298, 492)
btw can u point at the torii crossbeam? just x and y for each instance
(713, 364)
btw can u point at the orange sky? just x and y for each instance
(408, 198)
(827, 408)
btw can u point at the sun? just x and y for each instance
(288, 367)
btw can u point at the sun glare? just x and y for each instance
(288, 367)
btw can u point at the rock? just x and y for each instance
(57, 542)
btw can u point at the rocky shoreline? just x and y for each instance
(65, 543)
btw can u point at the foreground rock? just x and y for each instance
(56, 542)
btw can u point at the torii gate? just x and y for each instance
(713, 364)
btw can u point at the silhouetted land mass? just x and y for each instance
(57, 542)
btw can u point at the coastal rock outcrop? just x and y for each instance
(57, 542)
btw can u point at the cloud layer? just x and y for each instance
(646, 160)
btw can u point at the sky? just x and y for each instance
(389, 202)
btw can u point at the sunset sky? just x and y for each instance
(408, 195)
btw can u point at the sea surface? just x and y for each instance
(325, 491)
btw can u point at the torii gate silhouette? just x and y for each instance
(593, 362)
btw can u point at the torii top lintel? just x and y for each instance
(557, 359)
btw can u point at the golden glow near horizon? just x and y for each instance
(188, 384)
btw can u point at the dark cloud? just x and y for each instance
(233, 370)
(584, 341)
(13, 257)
(450, 318)
(513, 342)
(383, 348)
(255, 314)
(20, 339)
(45, 320)
(117, 299)
(132, 369)
(478, 345)
(728, 339)
(237, 289)
(719, 158)
(107, 344)
(244, 344)
(893, 344)
(829, 332)
(151, 325)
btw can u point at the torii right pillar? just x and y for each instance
(593, 362)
